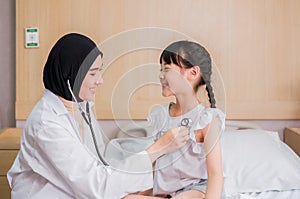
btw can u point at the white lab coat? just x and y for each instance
(53, 162)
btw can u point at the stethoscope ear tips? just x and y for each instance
(187, 122)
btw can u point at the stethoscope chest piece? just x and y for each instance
(187, 122)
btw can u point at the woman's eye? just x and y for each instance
(93, 74)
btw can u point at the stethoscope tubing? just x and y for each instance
(89, 123)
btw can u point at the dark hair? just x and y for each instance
(187, 54)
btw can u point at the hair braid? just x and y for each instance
(211, 95)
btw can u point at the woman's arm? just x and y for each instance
(68, 164)
(213, 161)
(136, 196)
(171, 140)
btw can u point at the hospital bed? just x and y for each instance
(256, 163)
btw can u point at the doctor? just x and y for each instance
(61, 145)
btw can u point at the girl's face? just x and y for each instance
(91, 81)
(174, 80)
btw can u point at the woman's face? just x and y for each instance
(91, 81)
(173, 79)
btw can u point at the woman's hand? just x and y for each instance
(171, 140)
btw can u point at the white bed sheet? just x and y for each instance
(292, 194)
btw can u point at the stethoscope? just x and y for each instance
(187, 122)
(88, 120)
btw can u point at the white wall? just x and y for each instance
(7, 63)
(111, 128)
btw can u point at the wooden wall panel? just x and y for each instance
(254, 45)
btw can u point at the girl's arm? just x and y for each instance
(213, 160)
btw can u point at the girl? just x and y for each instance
(195, 170)
(61, 145)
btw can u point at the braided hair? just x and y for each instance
(187, 54)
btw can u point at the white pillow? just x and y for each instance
(256, 160)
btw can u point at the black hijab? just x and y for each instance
(69, 60)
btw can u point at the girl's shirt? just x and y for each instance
(186, 165)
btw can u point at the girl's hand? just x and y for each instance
(170, 141)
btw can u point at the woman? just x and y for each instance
(61, 146)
